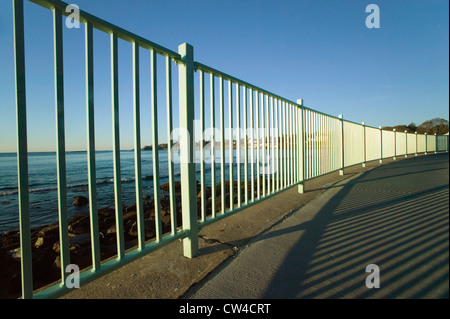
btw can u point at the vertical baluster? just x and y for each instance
(230, 142)
(222, 145)
(173, 207)
(284, 142)
(213, 147)
(272, 128)
(137, 148)
(60, 143)
(263, 140)
(245, 145)
(294, 142)
(310, 145)
(22, 152)
(252, 146)
(288, 146)
(155, 153)
(267, 143)
(310, 154)
(238, 144)
(92, 179)
(258, 163)
(202, 151)
(313, 144)
(319, 160)
(278, 135)
(290, 143)
(116, 146)
(329, 141)
(319, 144)
(316, 144)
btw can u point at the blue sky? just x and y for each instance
(320, 51)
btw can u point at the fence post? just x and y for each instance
(341, 171)
(406, 143)
(436, 143)
(187, 164)
(381, 146)
(395, 144)
(426, 143)
(364, 145)
(301, 158)
(415, 154)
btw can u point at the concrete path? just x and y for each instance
(395, 216)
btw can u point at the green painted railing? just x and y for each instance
(278, 144)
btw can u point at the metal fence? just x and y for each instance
(258, 144)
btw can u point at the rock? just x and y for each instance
(39, 242)
(129, 215)
(58, 262)
(79, 224)
(131, 208)
(11, 238)
(81, 239)
(149, 229)
(111, 230)
(47, 236)
(208, 192)
(52, 230)
(15, 253)
(176, 185)
(75, 242)
(80, 201)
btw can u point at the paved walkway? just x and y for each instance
(395, 216)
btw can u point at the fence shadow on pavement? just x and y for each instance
(403, 231)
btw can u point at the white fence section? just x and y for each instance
(388, 144)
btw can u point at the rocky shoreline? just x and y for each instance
(45, 239)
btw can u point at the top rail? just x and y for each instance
(210, 70)
(108, 27)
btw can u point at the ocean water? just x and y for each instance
(43, 194)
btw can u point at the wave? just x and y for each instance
(10, 191)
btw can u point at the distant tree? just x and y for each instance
(436, 125)
(412, 127)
